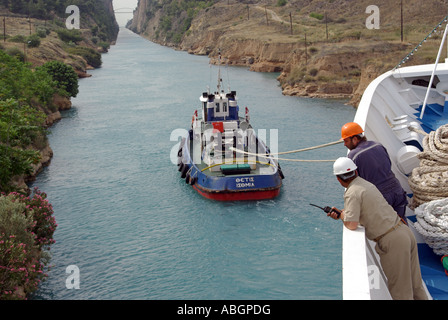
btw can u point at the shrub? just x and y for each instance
(33, 41)
(15, 221)
(18, 81)
(19, 127)
(26, 228)
(41, 211)
(65, 77)
(41, 33)
(313, 50)
(16, 53)
(318, 16)
(313, 72)
(19, 124)
(281, 3)
(104, 45)
(92, 57)
(15, 161)
(18, 38)
(66, 35)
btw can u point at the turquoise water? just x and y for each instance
(135, 230)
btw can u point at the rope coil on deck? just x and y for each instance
(429, 183)
(432, 224)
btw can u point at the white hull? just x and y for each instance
(389, 105)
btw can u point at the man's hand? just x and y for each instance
(334, 213)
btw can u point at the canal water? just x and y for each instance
(130, 228)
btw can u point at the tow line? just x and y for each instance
(292, 151)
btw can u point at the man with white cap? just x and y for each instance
(395, 242)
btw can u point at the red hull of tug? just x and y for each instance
(239, 196)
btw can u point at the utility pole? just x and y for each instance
(306, 53)
(401, 14)
(290, 21)
(4, 29)
(266, 13)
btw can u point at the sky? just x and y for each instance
(122, 18)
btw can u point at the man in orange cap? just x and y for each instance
(374, 165)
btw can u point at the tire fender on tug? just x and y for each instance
(183, 172)
(179, 156)
(180, 153)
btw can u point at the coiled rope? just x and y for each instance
(429, 183)
(432, 224)
(292, 151)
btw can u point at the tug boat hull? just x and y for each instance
(222, 158)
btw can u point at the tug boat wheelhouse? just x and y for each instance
(222, 157)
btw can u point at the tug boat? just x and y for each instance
(406, 110)
(222, 157)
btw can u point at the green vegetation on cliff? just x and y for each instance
(90, 10)
(64, 77)
(26, 223)
(39, 31)
(26, 97)
(40, 61)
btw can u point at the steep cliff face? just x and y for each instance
(140, 19)
(102, 17)
(111, 22)
(320, 48)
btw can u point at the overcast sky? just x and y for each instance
(122, 18)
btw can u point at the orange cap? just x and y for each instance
(350, 129)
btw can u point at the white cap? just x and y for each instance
(343, 165)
